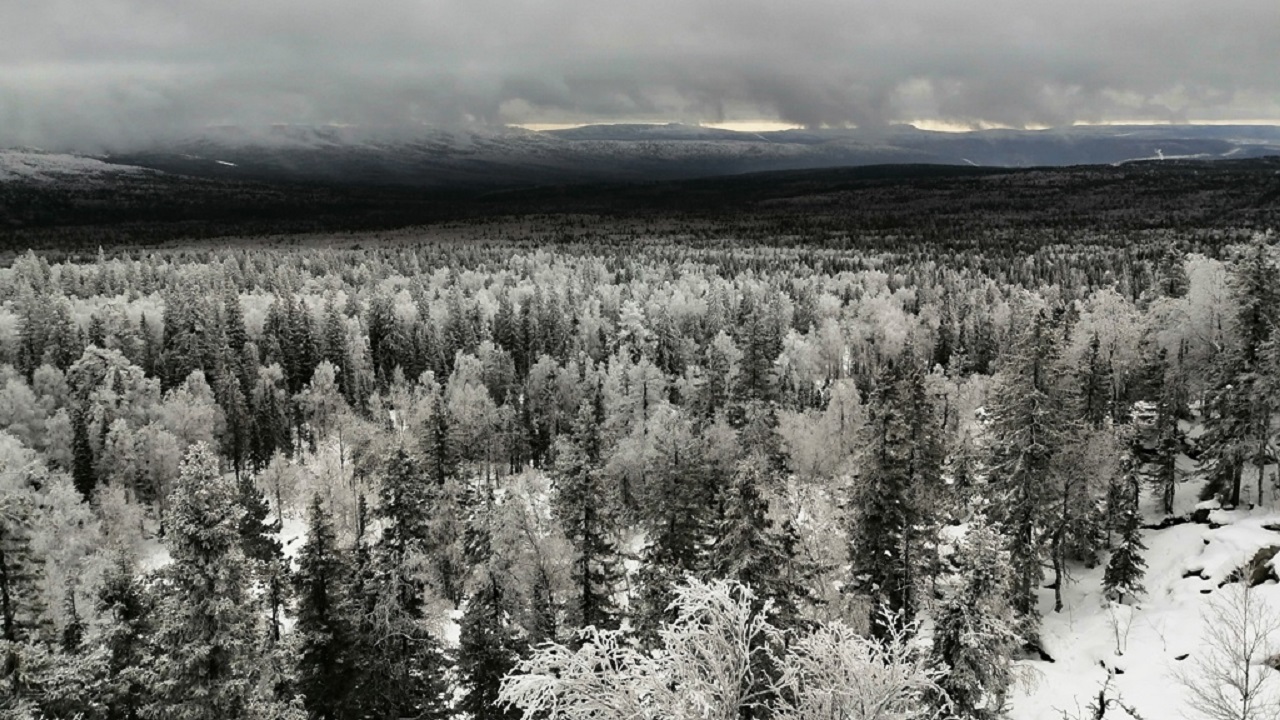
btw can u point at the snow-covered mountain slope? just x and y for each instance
(36, 166)
(1139, 649)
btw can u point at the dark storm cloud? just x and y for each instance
(120, 72)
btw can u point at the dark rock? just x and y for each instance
(1168, 522)
(1033, 650)
(1259, 568)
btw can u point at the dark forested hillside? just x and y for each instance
(882, 205)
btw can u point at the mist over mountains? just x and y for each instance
(496, 157)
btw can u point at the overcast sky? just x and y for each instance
(113, 72)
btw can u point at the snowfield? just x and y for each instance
(35, 166)
(1140, 646)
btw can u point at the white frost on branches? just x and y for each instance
(720, 655)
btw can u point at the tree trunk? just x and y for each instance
(1237, 471)
(1056, 552)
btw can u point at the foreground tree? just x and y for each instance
(899, 488)
(587, 515)
(974, 638)
(401, 662)
(706, 666)
(1123, 576)
(205, 617)
(1028, 430)
(1229, 676)
(326, 669)
(489, 649)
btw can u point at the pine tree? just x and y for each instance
(747, 549)
(83, 472)
(33, 312)
(679, 517)
(326, 668)
(402, 663)
(270, 421)
(205, 612)
(21, 609)
(1239, 408)
(489, 648)
(263, 551)
(127, 610)
(974, 637)
(1159, 444)
(74, 627)
(336, 348)
(382, 329)
(587, 516)
(1029, 426)
(1095, 385)
(897, 493)
(506, 334)
(439, 451)
(761, 342)
(1123, 576)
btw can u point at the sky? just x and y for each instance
(112, 74)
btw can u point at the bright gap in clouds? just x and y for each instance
(736, 125)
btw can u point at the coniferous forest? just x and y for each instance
(828, 460)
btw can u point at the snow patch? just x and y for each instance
(35, 166)
(1141, 643)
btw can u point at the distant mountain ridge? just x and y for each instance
(503, 157)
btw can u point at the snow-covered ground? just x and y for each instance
(35, 166)
(1142, 644)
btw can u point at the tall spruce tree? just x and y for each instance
(749, 550)
(205, 614)
(898, 493)
(83, 467)
(325, 637)
(263, 551)
(1123, 576)
(1028, 428)
(1095, 385)
(587, 515)
(403, 663)
(127, 613)
(1238, 409)
(489, 648)
(975, 633)
(22, 618)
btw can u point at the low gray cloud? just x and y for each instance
(118, 73)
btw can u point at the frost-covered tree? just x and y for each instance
(896, 494)
(324, 633)
(587, 515)
(975, 633)
(1029, 427)
(834, 672)
(1229, 676)
(1123, 576)
(206, 617)
(708, 663)
(401, 662)
(489, 647)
